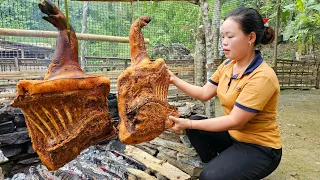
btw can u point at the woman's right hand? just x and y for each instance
(172, 76)
(180, 123)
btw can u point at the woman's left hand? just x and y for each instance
(180, 123)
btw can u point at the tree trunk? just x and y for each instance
(84, 29)
(204, 6)
(275, 56)
(200, 57)
(215, 47)
(318, 76)
(216, 28)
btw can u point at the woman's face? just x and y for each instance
(235, 43)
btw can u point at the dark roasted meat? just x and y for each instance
(67, 111)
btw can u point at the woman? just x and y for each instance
(245, 143)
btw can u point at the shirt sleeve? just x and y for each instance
(214, 79)
(255, 94)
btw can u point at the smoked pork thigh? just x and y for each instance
(142, 93)
(67, 111)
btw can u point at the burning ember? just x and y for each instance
(97, 162)
(169, 156)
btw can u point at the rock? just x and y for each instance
(173, 145)
(113, 112)
(191, 170)
(29, 161)
(3, 159)
(115, 144)
(185, 140)
(149, 150)
(198, 108)
(1, 175)
(172, 51)
(19, 176)
(19, 129)
(189, 109)
(177, 104)
(178, 133)
(25, 169)
(14, 138)
(112, 103)
(192, 160)
(19, 120)
(147, 144)
(185, 111)
(6, 168)
(168, 152)
(6, 113)
(170, 136)
(11, 150)
(161, 50)
(6, 127)
(30, 149)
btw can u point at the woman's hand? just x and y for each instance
(180, 123)
(172, 76)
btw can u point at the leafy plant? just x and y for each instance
(304, 23)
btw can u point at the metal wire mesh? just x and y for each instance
(104, 18)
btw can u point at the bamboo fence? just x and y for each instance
(14, 69)
(291, 74)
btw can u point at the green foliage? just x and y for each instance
(171, 22)
(305, 22)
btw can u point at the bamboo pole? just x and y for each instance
(190, 1)
(54, 34)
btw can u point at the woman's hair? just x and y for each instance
(251, 21)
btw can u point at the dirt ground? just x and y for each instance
(299, 118)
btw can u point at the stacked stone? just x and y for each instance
(17, 155)
(16, 150)
(176, 148)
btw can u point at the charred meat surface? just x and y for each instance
(67, 111)
(142, 93)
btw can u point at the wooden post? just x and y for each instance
(204, 6)
(16, 63)
(105, 67)
(22, 53)
(275, 55)
(215, 37)
(84, 29)
(318, 74)
(85, 63)
(216, 29)
(125, 64)
(200, 57)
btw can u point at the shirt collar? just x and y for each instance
(253, 65)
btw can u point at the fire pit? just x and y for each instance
(170, 156)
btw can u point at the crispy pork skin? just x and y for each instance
(67, 111)
(142, 93)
